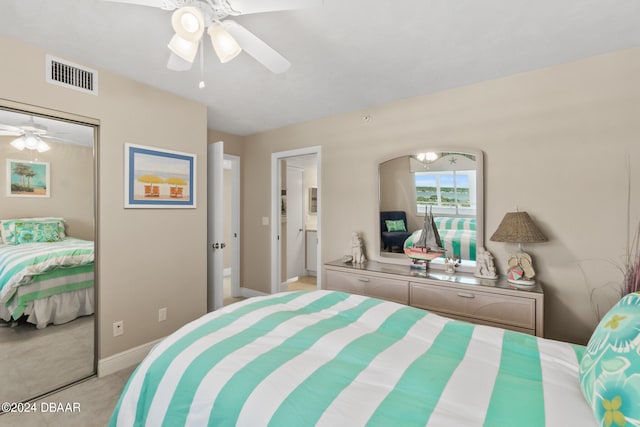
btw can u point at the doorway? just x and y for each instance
(296, 213)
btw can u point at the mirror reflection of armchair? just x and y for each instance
(393, 239)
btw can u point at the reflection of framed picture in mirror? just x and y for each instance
(157, 178)
(283, 202)
(313, 200)
(28, 179)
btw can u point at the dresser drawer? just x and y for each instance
(475, 304)
(362, 284)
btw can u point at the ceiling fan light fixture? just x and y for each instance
(188, 23)
(31, 141)
(18, 143)
(42, 146)
(224, 44)
(183, 48)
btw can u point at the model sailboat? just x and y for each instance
(425, 244)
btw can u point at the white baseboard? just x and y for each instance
(248, 293)
(126, 359)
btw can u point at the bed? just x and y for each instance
(46, 280)
(333, 359)
(458, 236)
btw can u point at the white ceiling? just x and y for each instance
(346, 55)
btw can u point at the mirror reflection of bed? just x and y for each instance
(449, 183)
(47, 244)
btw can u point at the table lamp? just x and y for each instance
(518, 227)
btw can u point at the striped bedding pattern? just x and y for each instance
(20, 264)
(55, 282)
(458, 236)
(332, 359)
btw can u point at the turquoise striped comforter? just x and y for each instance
(20, 264)
(458, 236)
(333, 359)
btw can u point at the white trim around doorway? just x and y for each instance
(276, 222)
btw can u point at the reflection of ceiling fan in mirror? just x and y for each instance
(192, 17)
(30, 135)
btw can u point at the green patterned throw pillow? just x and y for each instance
(610, 367)
(31, 232)
(8, 227)
(395, 225)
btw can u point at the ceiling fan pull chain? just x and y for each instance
(201, 85)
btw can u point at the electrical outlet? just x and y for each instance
(118, 328)
(162, 314)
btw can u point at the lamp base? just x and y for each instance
(522, 283)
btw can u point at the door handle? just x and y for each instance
(466, 295)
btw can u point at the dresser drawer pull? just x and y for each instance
(466, 295)
(363, 279)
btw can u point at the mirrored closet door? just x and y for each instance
(47, 263)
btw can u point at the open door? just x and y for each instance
(216, 245)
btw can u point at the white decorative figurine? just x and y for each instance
(485, 268)
(451, 264)
(357, 249)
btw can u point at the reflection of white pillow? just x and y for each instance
(609, 369)
(8, 227)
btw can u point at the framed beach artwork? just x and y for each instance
(28, 179)
(158, 178)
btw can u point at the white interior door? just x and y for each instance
(295, 223)
(232, 221)
(215, 235)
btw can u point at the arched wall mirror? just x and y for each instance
(447, 182)
(47, 251)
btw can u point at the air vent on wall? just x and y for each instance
(70, 75)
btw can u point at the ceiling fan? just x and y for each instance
(30, 135)
(191, 17)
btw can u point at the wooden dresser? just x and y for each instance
(460, 295)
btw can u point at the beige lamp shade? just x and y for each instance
(518, 227)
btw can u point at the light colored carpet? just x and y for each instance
(95, 397)
(35, 361)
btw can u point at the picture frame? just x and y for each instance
(27, 178)
(158, 178)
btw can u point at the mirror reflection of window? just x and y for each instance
(447, 182)
(447, 192)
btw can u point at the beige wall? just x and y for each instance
(556, 143)
(147, 258)
(71, 192)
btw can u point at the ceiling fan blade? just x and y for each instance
(176, 63)
(9, 133)
(162, 4)
(8, 128)
(55, 138)
(243, 7)
(259, 50)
